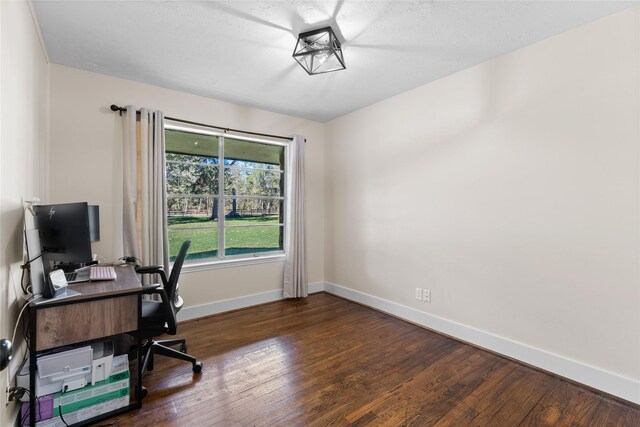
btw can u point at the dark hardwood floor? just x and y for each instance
(327, 361)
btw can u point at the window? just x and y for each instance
(225, 194)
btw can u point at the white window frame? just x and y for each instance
(221, 260)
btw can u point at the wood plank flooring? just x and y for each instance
(326, 361)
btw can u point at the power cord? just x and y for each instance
(15, 329)
(131, 260)
(26, 267)
(60, 410)
(60, 405)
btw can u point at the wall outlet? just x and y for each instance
(426, 295)
(419, 294)
(8, 397)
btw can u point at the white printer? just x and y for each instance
(70, 369)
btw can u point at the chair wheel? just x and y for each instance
(197, 367)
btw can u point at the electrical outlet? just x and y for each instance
(8, 395)
(15, 394)
(418, 294)
(426, 295)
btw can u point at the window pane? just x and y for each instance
(253, 208)
(190, 143)
(253, 154)
(254, 227)
(253, 169)
(201, 230)
(248, 240)
(193, 218)
(253, 182)
(188, 178)
(188, 205)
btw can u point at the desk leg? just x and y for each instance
(32, 365)
(140, 358)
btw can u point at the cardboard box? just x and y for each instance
(44, 409)
(86, 413)
(114, 387)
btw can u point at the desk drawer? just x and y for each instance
(73, 323)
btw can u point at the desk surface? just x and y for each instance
(126, 283)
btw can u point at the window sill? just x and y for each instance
(238, 262)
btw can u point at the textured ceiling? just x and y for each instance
(240, 51)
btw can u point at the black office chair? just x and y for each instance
(159, 317)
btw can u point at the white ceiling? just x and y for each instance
(240, 51)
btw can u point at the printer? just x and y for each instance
(69, 370)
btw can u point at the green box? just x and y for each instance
(114, 387)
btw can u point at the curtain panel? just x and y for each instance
(296, 284)
(144, 205)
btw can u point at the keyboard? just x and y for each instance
(102, 273)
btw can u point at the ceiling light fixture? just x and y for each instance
(319, 51)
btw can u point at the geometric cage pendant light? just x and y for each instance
(319, 51)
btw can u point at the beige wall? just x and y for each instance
(510, 190)
(86, 165)
(23, 136)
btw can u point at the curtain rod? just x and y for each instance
(121, 110)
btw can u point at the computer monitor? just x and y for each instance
(64, 235)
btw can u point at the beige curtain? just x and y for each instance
(296, 283)
(144, 205)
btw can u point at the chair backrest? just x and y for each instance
(171, 286)
(172, 282)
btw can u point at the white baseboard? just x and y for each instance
(622, 387)
(203, 310)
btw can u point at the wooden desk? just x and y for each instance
(102, 309)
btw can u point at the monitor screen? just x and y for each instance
(64, 234)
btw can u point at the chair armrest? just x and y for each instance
(153, 269)
(156, 289)
(149, 269)
(152, 289)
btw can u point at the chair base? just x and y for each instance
(163, 348)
